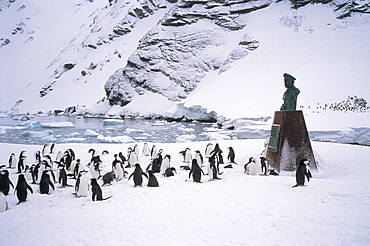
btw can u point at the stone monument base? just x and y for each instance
(289, 142)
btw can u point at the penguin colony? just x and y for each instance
(50, 169)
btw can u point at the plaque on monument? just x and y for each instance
(274, 138)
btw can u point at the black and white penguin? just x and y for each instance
(263, 165)
(3, 203)
(170, 172)
(231, 155)
(196, 171)
(136, 150)
(46, 183)
(21, 189)
(217, 153)
(82, 185)
(45, 150)
(138, 175)
(198, 156)
(94, 170)
(108, 178)
(78, 169)
(251, 168)
(118, 169)
(52, 148)
(22, 161)
(132, 157)
(155, 165)
(303, 171)
(59, 156)
(165, 164)
(63, 178)
(12, 161)
(153, 152)
(37, 156)
(5, 182)
(212, 169)
(97, 193)
(122, 157)
(152, 180)
(208, 150)
(146, 150)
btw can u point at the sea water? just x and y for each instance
(65, 129)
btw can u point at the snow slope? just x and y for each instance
(236, 210)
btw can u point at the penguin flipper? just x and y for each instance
(52, 185)
(146, 175)
(30, 188)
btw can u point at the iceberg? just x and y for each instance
(64, 124)
(37, 134)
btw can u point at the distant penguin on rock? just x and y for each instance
(152, 180)
(12, 161)
(196, 171)
(21, 189)
(3, 203)
(5, 182)
(138, 175)
(303, 171)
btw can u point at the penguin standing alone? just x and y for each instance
(21, 189)
(303, 171)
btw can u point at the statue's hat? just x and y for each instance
(288, 76)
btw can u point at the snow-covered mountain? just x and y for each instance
(182, 59)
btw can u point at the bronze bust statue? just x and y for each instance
(291, 94)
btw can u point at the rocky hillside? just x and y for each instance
(88, 56)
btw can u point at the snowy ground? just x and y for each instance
(236, 210)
